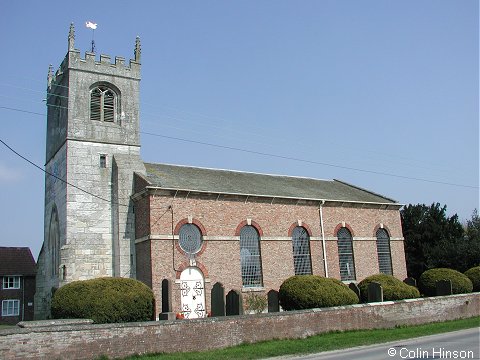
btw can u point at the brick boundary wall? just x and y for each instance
(121, 340)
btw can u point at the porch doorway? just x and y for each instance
(192, 290)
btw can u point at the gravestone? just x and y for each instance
(444, 287)
(273, 304)
(410, 281)
(166, 313)
(234, 303)
(218, 300)
(355, 289)
(375, 292)
(166, 296)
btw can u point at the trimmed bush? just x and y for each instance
(104, 300)
(474, 275)
(255, 302)
(312, 291)
(460, 283)
(393, 289)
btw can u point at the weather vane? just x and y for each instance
(92, 26)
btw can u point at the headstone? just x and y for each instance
(218, 300)
(273, 304)
(234, 303)
(444, 287)
(167, 316)
(375, 292)
(410, 281)
(166, 296)
(355, 289)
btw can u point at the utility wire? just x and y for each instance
(231, 127)
(57, 177)
(285, 157)
(306, 161)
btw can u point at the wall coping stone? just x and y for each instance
(53, 322)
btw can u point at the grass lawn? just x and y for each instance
(318, 343)
(6, 326)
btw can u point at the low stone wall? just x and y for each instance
(120, 340)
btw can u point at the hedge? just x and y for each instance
(393, 289)
(474, 275)
(460, 283)
(312, 291)
(104, 300)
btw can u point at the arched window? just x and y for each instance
(250, 257)
(190, 238)
(54, 242)
(301, 251)
(345, 254)
(384, 252)
(103, 103)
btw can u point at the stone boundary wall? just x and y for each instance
(121, 340)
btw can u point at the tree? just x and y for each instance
(473, 226)
(432, 239)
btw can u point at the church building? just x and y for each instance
(194, 235)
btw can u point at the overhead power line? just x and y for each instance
(230, 127)
(284, 157)
(307, 161)
(57, 177)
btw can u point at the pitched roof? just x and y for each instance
(189, 178)
(16, 261)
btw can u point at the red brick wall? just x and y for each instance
(220, 219)
(25, 295)
(121, 340)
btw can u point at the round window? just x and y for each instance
(190, 239)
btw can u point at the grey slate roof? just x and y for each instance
(178, 177)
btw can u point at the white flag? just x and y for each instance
(91, 25)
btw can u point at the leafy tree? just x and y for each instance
(432, 239)
(473, 226)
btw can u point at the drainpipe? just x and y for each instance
(320, 210)
(23, 298)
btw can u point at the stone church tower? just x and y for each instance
(92, 151)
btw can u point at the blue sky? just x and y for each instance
(386, 87)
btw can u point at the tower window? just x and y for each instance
(103, 103)
(103, 161)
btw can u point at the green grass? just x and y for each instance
(319, 343)
(2, 326)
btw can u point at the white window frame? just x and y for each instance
(11, 282)
(10, 307)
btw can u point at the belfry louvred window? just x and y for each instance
(103, 104)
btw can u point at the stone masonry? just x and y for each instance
(95, 214)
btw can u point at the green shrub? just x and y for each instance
(104, 300)
(312, 291)
(460, 283)
(393, 289)
(474, 275)
(255, 302)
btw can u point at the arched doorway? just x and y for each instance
(192, 293)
